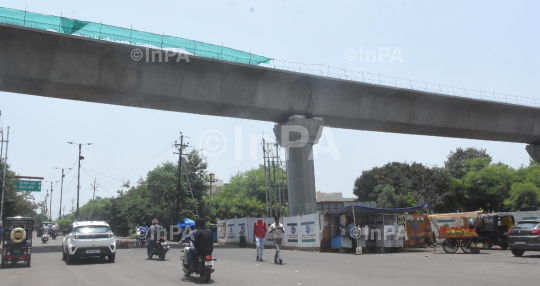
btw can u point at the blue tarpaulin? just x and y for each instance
(185, 222)
(368, 210)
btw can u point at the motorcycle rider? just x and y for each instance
(45, 230)
(54, 230)
(154, 231)
(143, 226)
(203, 244)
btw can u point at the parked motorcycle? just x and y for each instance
(160, 249)
(44, 237)
(204, 263)
(140, 236)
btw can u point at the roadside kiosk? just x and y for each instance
(371, 229)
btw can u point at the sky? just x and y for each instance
(482, 45)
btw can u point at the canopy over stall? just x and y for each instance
(368, 210)
(467, 214)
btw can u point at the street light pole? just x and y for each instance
(61, 191)
(5, 170)
(79, 177)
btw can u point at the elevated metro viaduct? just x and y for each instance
(55, 65)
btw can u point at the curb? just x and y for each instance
(125, 243)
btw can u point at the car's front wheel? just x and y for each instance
(70, 259)
(517, 252)
(111, 258)
(64, 255)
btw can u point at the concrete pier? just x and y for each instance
(298, 135)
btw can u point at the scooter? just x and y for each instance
(140, 236)
(160, 249)
(54, 234)
(44, 237)
(203, 264)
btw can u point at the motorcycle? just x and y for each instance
(54, 235)
(140, 236)
(203, 264)
(44, 237)
(160, 249)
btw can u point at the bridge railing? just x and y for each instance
(128, 36)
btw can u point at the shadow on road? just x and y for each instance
(196, 280)
(17, 265)
(89, 260)
(46, 249)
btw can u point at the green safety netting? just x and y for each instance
(130, 36)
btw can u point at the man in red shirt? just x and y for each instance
(259, 231)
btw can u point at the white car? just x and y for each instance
(89, 238)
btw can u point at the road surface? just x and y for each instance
(238, 267)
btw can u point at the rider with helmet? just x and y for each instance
(154, 232)
(143, 226)
(203, 243)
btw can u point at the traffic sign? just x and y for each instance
(29, 186)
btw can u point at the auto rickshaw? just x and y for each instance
(17, 240)
(493, 229)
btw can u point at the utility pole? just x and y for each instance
(4, 174)
(79, 177)
(72, 207)
(279, 181)
(180, 148)
(265, 176)
(46, 209)
(211, 179)
(274, 184)
(50, 200)
(61, 192)
(94, 198)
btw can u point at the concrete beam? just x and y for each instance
(63, 66)
(534, 152)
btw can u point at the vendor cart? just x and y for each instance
(463, 236)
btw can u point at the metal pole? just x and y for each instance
(4, 180)
(94, 198)
(78, 184)
(61, 191)
(190, 190)
(274, 185)
(50, 203)
(265, 177)
(179, 186)
(279, 179)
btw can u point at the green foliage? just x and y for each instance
(245, 195)
(15, 203)
(456, 160)
(523, 196)
(412, 183)
(483, 185)
(63, 223)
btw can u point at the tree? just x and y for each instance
(484, 185)
(16, 203)
(456, 160)
(432, 187)
(523, 196)
(245, 195)
(425, 185)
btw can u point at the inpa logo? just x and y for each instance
(307, 229)
(293, 229)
